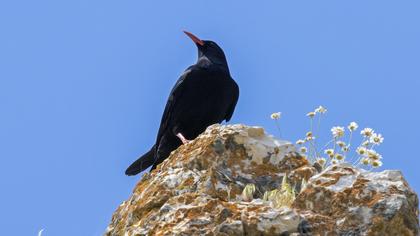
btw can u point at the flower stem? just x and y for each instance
(278, 127)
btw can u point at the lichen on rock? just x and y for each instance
(198, 190)
(359, 202)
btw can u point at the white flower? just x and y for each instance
(310, 138)
(337, 131)
(367, 132)
(311, 114)
(303, 149)
(321, 161)
(341, 143)
(321, 110)
(361, 150)
(365, 161)
(372, 154)
(339, 157)
(276, 116)
(346, 148)
(376, 163)
(353, 126)
(300, 142)
(329, 151)
(376, 139)
(309, 134)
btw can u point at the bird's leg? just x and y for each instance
(183, 139)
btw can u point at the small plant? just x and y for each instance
(338, 148)
(283, 197)
(248, 192)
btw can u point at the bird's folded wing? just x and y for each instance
(174, 97)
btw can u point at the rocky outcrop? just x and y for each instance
(237, 180)
(349, 201)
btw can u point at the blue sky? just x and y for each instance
(83, 85)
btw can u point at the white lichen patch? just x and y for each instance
(220, 186)
(260, 145)
(239, 172)
(336, 178)
(393, 203)
(363, 213)
(175, 176)
(344, 182)
(385, 179)
(283, 220)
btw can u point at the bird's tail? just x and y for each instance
(142, 163)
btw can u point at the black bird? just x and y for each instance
(205, 94)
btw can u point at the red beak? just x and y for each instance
(194, 38)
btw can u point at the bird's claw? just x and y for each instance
(182, 138)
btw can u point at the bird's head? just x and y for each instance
(208, 50)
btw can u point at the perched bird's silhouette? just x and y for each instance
(205, 94)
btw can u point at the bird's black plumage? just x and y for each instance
(205, 94)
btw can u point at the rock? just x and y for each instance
(198, 190)
(348, 201)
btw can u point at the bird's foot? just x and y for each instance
(183, 139)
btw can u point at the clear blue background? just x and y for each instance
(83, 85)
